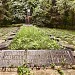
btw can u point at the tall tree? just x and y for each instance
(5, 11)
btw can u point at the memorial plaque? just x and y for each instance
(47, 57)
(35, 57)
(39, 57)
(12, 58)
(59, 56)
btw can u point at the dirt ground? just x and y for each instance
(43, 72)
(8, 73)
(52, 72)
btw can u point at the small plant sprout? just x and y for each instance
(23, 70)
(60, 71)
(43, 66)
(63, 62)
(52, 65)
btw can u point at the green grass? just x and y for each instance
(64, 35)
(29, 38)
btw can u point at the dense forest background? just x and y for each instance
(48, 13)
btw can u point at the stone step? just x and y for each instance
(3, 46)
(11, 34)
(1, 41)
(10, 37)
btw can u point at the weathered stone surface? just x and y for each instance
(8, 42)
(52, 37)
(10, 37)
(72, 47)
(12, 33)
(1, 41)
(58, 39)
(14, 58)
(46, 57)
(39, 57)
(73, 53)
(3, 46)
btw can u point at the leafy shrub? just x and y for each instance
(23, 70)
(41, 15)
(54, 14)
(33, 38)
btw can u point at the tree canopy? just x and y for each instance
(50, 13)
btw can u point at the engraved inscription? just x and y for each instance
(47, 57)
(35, 57)
(13, 57)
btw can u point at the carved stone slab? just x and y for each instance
(62, 56)
(16, 58)
(12, 58)
(47, 57)
(39, 57)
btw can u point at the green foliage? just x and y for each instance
(5, 12)
(20, 7)
(14, 11)
(23, 70)
(60, 71)
(49, 13)
(41, 15)
(59, 15)
(33, 38)
(52, 66)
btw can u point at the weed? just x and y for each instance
(23, 70)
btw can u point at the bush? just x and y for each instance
(41, 17)
(55, 15)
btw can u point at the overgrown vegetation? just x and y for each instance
(33, 38)
(55, 13)
(14, 11)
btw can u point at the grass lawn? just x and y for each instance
(31, 37)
